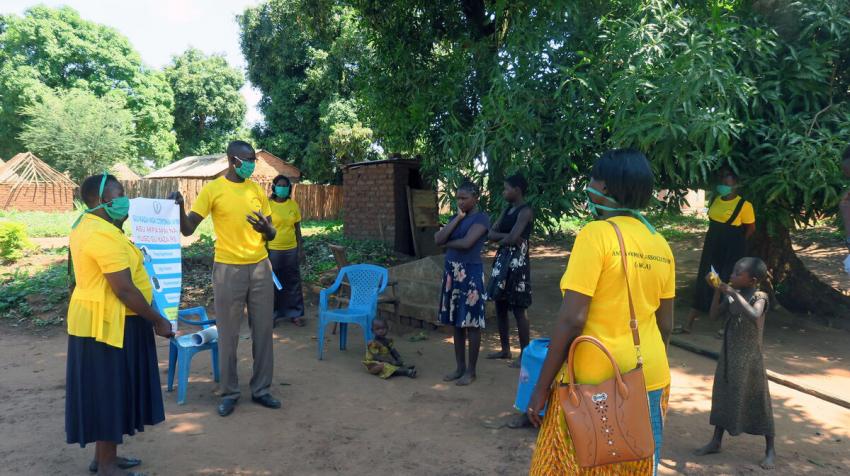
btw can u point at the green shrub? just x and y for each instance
(14, 241)
(37, 297)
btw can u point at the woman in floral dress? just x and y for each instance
(510, 280)
(462, 300)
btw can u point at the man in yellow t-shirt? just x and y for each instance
(242, 274)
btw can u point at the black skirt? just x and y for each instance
(724, 245)
(510, 279)
(112, 392)
(289, 301)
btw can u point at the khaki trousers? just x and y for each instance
(236, 286)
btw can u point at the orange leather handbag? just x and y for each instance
(609, 422)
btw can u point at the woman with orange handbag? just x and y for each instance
(632, 324)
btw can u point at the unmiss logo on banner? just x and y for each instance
(155, 226)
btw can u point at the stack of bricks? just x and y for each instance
(371, 203)
(45, 197)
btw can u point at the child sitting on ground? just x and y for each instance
(740, 399)
(382, 359)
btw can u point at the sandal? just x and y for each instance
(122, 463)
(520, 421)
(680, 330)
(298, 321)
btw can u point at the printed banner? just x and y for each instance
(155, 226)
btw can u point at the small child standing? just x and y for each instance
(740, 399)
(382, 359)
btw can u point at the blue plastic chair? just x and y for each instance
(366, 283)
(182, 350)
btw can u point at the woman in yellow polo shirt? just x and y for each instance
(731, 222)
(596, 303)
(112, 386)
(286, 251)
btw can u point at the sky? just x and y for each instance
(160, 29)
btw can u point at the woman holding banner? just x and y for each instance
(286, 251)
(112, 386)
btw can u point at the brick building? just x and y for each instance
(28, 184)
(376, 205)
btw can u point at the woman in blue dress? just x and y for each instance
(462, 300)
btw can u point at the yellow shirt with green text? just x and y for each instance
(595, 270)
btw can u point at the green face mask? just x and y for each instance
(117, 209)
(281, 192)
(246, 168)
(723, 190)
(595, 208)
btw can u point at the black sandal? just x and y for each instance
(122, 463)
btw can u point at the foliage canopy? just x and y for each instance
(55, 50)
(79, 132)
(304, 57)
(209, 109)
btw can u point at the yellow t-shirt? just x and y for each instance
(284, 217)
(721, 210)
(97, 248)
(595, 270)
(230, 203)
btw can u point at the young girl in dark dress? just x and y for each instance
(740, 399)
(510, 280)
(462, 300)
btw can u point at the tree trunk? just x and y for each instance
(797, 288)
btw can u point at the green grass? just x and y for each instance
(43, 224)
(57, 224)
(34, 296)
(320, 258)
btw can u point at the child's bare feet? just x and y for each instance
(711, 448)
(767, 462)
(468, 378)
(454, 375)
(499, 355)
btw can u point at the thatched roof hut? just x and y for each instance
(215, 165)
(123, 172)
(190, 174)
(28, 184)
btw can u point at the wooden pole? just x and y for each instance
(771, 375)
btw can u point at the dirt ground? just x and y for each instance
(339, 420)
